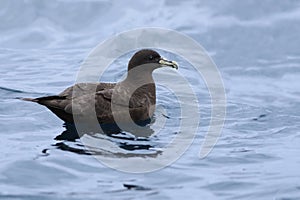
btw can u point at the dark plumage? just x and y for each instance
(103, 95)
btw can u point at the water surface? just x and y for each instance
(255, 45)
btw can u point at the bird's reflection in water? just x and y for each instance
(126, 144)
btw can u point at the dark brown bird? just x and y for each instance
(135, 93)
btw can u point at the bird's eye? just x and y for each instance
(151, 57)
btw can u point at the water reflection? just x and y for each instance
(120, 143)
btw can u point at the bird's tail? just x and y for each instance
(27, 99)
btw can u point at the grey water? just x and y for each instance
(255, 45)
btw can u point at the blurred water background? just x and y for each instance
(255, 45)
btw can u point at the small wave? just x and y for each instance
(12, 90)
(15, 91)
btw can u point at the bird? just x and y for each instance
(136, 93)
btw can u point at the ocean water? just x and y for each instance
(255, 45)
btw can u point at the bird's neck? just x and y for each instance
(142, 84)
(139, 78)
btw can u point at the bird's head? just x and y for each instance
(149, 59)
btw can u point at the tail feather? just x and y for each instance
(29, 99)
(40, 99)
(50, 98)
